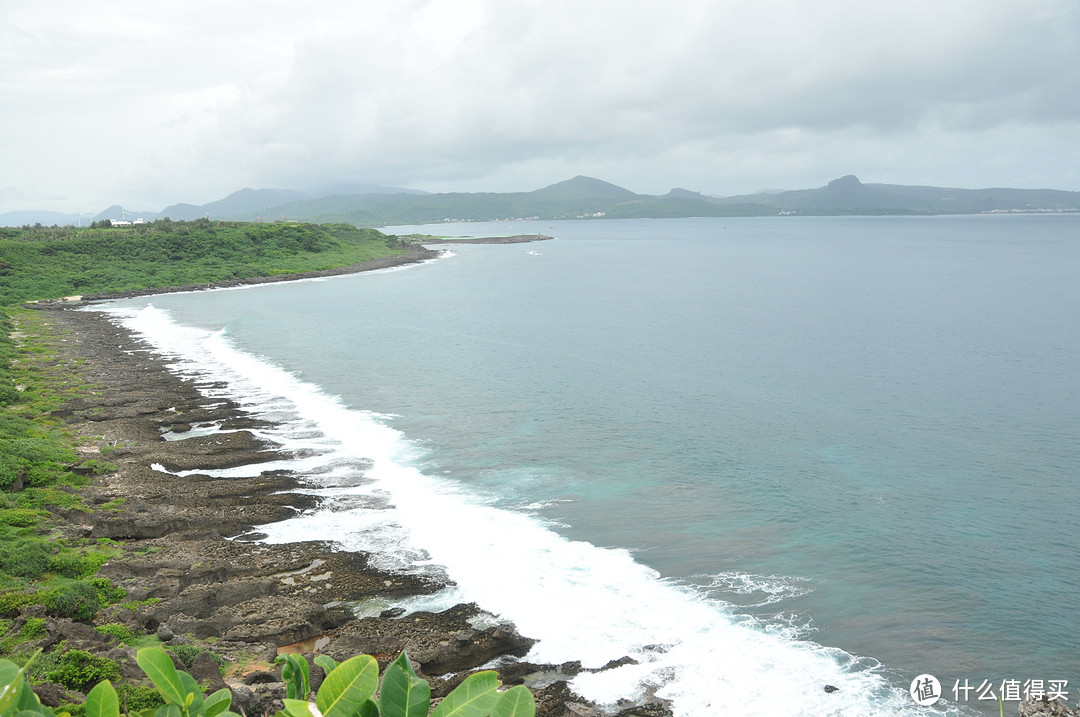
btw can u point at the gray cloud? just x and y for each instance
(152, 104)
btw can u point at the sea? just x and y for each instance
(788, 465)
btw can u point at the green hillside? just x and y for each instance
(53, 262)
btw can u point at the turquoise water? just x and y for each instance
(860, 433)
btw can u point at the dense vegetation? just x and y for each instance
(52, 262)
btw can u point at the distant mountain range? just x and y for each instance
(244, 204)
(580, 197)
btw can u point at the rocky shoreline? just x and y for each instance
(248, 599)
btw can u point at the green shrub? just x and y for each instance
(46, 474)
(21, 517)
(98, 468)
(75, 599)
(10, 602)
(26, 558)
(134, 698)
(8, 394)
(79, 670)
(74, 710)
(33, 628)
(47, 499)
(9, 473)
(39, 664)
(122, 633)
(66, 564)
(107, 594)
(134, 605)
(75, 565)
(186, 654)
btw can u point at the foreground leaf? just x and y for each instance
(345, 690)
(475, 697)
(403, 693)
(158, 666)
(296, 708)
(216, 703)
(102, 701)
(296, 675)
(193, 699)
(27, 703)
(169, 710)
(11, 682)
(10, 676)
(326, 662)
(515, 702)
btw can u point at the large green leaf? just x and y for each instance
(27, 702)
(192, 694)
(296, 708)
(296, 675)
(326, 662)
(344, 691)
(515, 702)
(10, 674)
(475, 697)
(102, 701)
(216, 703)
(403, 693)
(169, 710)
(11, 680)
(26, 699)
(40, 711)
(158, 666)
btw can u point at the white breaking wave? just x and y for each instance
(581, 602)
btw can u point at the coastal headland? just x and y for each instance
(413, 251)
(194, 563)
(516, 239)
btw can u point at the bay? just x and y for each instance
(860, 435)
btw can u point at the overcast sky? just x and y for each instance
(150, 103)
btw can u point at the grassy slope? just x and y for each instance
(40, 474)
(53, 262)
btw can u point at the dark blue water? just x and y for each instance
(863, 432)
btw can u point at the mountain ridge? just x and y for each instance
(579, 197)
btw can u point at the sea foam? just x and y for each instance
(582, 602)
